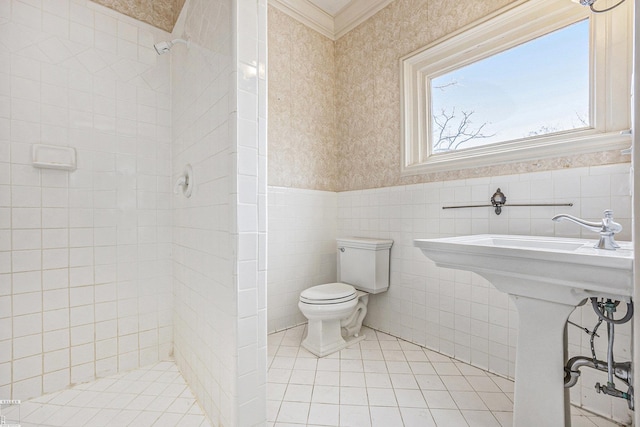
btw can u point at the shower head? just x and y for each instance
(592, 7)
(165, 46)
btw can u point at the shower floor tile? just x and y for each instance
(156, 395)
(387, 382)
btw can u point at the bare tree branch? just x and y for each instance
(446, 85)
(451, 135)
(582, 120)
(543, 130)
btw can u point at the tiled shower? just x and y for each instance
(104, 269)
(86, 280)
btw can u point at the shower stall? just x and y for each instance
(104, 268)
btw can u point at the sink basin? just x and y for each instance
(565, 270)
(547, 277)
(530, 243)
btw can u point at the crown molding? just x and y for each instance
(332, 27)
(308, 14)
(355, 13)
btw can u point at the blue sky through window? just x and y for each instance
(539, 87)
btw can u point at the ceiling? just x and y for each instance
(332, 18)
(332, 7)
(159, 13)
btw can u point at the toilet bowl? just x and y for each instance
(336, 310)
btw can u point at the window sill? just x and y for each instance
(516, 151)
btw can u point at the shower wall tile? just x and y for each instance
(84, 258)
(251, 199)
(219, 233)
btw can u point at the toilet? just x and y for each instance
(336, 310)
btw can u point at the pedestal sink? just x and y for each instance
(547, 277)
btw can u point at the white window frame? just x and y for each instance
(610, 62)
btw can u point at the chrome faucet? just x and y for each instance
(607, 228)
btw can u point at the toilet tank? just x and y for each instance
(364, 263)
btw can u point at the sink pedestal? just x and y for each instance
(540, 396)
(547, 277)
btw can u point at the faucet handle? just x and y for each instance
(608, 224)
(609, 228)
(185, 182)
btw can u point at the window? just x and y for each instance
(536, 88)
(540, 79)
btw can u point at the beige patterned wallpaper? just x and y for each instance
(159, 13)
(368, 81)
(302, 123)
(367, 141)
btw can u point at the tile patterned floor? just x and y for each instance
(381, 381)
(153, 396)
(387, 382)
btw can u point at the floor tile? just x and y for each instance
(352, 379)
(154, 395)
(456, 383)
(439, 399)
(404, 381)
(417, 417)
(326, 394)
(422, 368)
(382, 397)
(293, 412)
(446, 368)
(410, 398)
(384, 379)
(423, 388)
(430, 382)
(353, 396)
(354, 416)
(468, 400)
(448, 417)
(324, 414)
(496, 401)
(482, 383)
(298, 393)
(377, 380)
(480, 419)
(398, 367)
(385, 416)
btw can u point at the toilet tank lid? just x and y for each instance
(365, 243)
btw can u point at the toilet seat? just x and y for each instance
(328, 294)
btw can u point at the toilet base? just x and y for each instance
(342, 329)
(335, 346)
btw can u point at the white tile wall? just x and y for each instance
(302, 249)
(458, 313)
(219, 242)
(251, 198)
(204, 298)
(84, 271)
(454, 312)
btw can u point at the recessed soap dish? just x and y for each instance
(54, 157)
